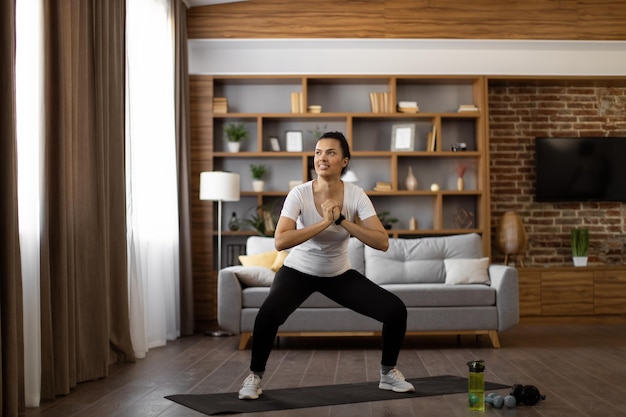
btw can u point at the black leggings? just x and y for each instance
(350, 289)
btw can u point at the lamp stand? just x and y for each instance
(219, 186)
(219, 333)
(219, 235)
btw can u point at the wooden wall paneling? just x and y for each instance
(601, 19)
(413, 19)
(288, 19)
(480, 94)
(480, 19)
(204, 276)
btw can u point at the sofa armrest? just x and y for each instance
(229, 300)
(504, 281)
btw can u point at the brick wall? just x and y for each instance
(520, 111)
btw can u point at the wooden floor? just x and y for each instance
(581, 369)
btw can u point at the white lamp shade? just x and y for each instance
(219, 186)
(350, 176)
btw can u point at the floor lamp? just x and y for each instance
(219, 186)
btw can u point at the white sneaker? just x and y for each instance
(394, 381)
(251, 388)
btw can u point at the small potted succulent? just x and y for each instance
(258, 172)
(386, 219)
(580, 246)
(235, 134)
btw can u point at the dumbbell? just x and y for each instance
(498, 401)
(526, 394)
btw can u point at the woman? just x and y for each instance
(317, 219)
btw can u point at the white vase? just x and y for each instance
(579, 260)
(410, 182)
(258, 185)
(233, 146)
(460, 184)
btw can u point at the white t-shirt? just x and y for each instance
(324, 255)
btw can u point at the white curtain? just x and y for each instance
(151, 177)
(152, 208)
(30, 127)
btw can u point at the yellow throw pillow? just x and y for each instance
(280, 259)
(272, 260)
(265, 259)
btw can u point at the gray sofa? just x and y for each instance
(420, 271)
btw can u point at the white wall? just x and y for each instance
(406, 56)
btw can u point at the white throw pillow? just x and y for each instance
(255, 276)
(467, 271)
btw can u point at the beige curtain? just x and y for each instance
(184, 167)
(84, 297)
(11, 333)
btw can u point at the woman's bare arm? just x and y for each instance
(370, 231)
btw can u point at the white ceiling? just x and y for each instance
(195, 3)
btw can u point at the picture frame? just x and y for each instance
(403, 137)
(274, 144)
(293, 140)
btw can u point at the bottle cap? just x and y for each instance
(476, 366)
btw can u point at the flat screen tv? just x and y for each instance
(581, 169)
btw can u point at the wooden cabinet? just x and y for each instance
(572, 291)
(263, 104)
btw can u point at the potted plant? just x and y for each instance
(235, 134)
(258, 172)
(263, 219)
(580, 246)
(386, 219)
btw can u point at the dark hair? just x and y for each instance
(343, 143)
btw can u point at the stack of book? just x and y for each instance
(408, 107)
(383, 186)
(297, 102)
(380, 102)
(220, 105)
(467, 107)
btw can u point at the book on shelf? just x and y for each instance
(431, 139)
(297, 102)
(220, 105)
(407, 107)
(383, 186)
(467, 107)
(429, 142)
(380, 102)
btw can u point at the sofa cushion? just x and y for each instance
(419, 260)
(441, 295)
(413, 296)
(466, 271)
(255, 276)
(259, 244)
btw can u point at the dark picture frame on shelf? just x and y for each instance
(293, 140)
(403, 137)
(274, 144)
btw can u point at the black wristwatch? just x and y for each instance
(340, 219)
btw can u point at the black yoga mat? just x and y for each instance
(317, 396)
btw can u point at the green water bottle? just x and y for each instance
(476, 385)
